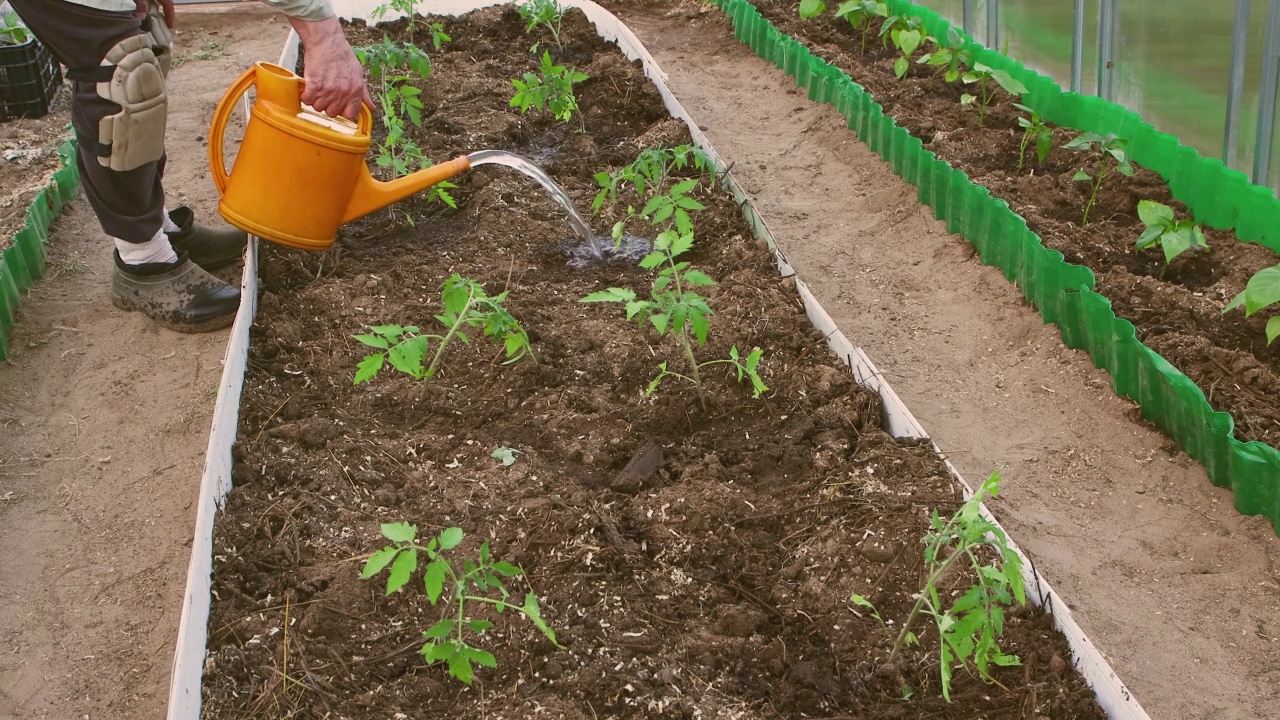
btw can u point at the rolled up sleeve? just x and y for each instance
(303, 9)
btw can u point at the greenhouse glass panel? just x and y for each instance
(1172, 66)
(1039, 35)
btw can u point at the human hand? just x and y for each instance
(335, 79)
(166, 6)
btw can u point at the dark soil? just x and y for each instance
(1177, 313)
(695, 563)
(28, 160)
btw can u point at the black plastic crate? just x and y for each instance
(29, 80)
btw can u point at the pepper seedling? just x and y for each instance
(951, 62)
(461, 587)
(968, 630)
(1173, 236)
(988, 78)
(466, 304)
(810, 9)
(859, 14)
(1034, 130)
(1109, 154)
(1262, 291)
(907, 34)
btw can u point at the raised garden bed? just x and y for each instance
(695, 563)
(969, 175)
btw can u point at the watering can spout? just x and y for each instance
(299, 175)
(370, 195)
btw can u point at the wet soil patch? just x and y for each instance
(695, 563)
(1177, 311)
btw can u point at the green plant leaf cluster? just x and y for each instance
(907, 34)
(12, 31)
(859, 14)
(950, 62)
(1261, 292)
(650, 171)
(466, 305)
(1173, 236)
(412, 21)
(988, 79)
(675, 309)
(394, 67)
(457, 588)
(551, 89)
(542, 13)
(968, 627)
(1108, 154)
(1034, 130)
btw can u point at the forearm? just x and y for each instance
(306, 10)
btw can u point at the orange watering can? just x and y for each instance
(300, 174)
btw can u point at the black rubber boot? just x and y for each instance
(179, 295)
(210, 248)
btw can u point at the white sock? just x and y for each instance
(155, 250)
(169, 225)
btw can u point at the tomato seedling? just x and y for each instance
(1108, 153)
(460, 587)
(1262, 291)
(465, 305)
(674, 309)
(550, 89)
(650, 172)
(543, 13)
(967, 630)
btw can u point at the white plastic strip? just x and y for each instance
(184, 694)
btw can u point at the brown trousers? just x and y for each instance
(129, 205)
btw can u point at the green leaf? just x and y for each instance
(479, 626)
(1175, 243)
(1125, 169)
(368, 368)
(406, 562)
(1006, 81)
(610, 295)
(900, 67)
(373, 341)
(698, 278)
(681, 244)
(442, 651)
(1149, 238)
(1154, 213)
(652, 260)
(967, 99)
(505, 454)
(1262, 290)
(1081, 175)
(1044, 144)
(401, 532)
(408, 355)
(1273, 329)
(433, 579)
(460, 666)
(908, 41)
(506, 569)
(480, 657)
(440, 630)
(660, 322)
(811, 8)
(450, 538)
(378, 561)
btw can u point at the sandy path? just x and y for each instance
(105, 419)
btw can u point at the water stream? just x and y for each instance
(593, 248)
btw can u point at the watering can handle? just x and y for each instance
(223, 113)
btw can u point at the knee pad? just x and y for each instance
(161, 36)
(135, 135)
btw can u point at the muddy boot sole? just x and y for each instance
(214, 323)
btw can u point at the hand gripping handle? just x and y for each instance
(223, 112)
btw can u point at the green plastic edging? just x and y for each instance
(1061, 291)
(22, 263)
